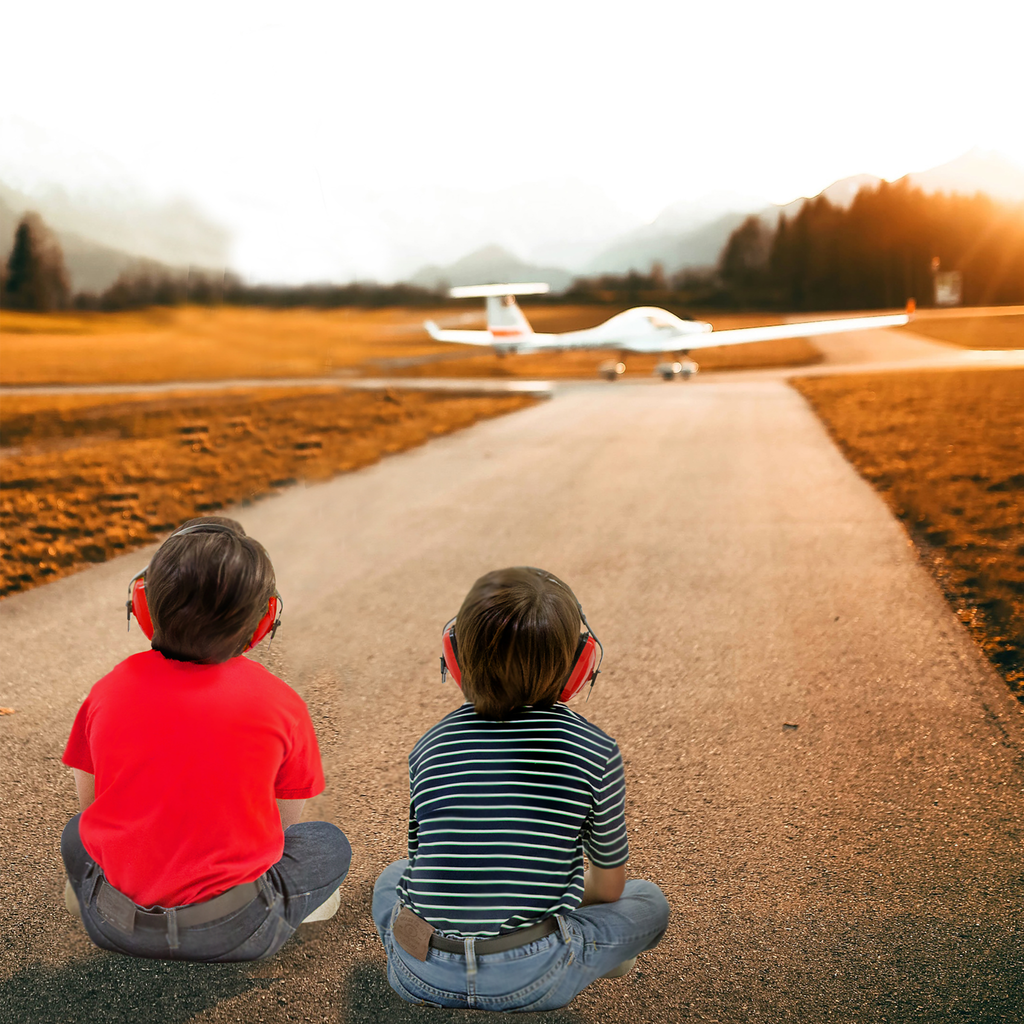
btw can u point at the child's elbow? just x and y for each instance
(603, 885)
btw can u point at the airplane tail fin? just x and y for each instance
(505, 320)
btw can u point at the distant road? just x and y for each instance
(823, 773)
(879, 351)
(454, 384)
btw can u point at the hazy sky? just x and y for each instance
(277, 115)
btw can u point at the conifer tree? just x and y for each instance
(36, 277)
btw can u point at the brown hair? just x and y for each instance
(516, 632)
(207, 590)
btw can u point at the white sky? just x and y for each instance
(269, 114)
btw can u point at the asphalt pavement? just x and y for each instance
(823, 773)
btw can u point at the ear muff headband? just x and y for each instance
(138, 606)
(586, 663)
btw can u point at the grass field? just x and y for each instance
(999, 332)
(194, 343)
(84, 478)
(946, 451)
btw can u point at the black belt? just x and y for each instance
(511, 940)
(118, 910)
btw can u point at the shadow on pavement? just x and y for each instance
(115, 989)
(371, 1001)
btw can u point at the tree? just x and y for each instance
(745, 256)
(36, 276)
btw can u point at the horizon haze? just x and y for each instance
(333, 144)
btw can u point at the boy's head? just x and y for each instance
(517, 632)
(207, 590)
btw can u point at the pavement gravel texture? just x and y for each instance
(824, 775)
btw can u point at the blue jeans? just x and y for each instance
(314, 863)
(541, 975)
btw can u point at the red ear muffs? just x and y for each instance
(269, 622)
(585, 664)
(138, 606)
(450, 654)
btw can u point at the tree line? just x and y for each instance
(36, 278)
(877, 253)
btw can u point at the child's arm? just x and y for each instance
(85, 786)
(291, 812)
(603, 885)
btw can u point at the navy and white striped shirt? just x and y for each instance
(501, 813)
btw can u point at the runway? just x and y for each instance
(823, 774)
(486, 385)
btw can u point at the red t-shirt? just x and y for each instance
(189, 760)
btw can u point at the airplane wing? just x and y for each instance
(459, 337)
(634, 333)
(743, 335)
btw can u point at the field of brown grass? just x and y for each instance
(999, 332)
(84, 477)
(193, 343)
(946, 451)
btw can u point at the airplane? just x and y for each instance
(641, 329)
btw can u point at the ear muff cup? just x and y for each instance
(585, 664)
(268, 624)
(137, 605)
(450, 654)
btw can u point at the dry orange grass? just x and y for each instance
(84, 477)
(999, 332)
(193, 343)
(946, 451)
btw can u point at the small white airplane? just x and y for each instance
(641, 329)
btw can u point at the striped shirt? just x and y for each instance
(501, 813)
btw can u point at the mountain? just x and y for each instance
(839, 193)
(698, 247)
(662, 241)
(490, 265)
(80, 191)
(91, 267)
(687, 233)
(975, 171)
(101, 241)
(551, 223)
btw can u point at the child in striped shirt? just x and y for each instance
(493, 908)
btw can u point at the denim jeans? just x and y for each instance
(540, 975)
(314, 863)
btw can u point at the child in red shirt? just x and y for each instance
(192, 766)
